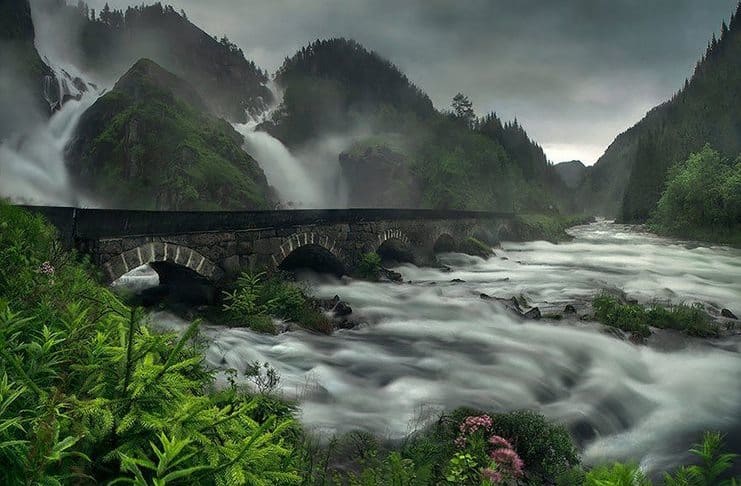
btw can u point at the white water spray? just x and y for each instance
(433, 344)
(32, 164)
(310, 179)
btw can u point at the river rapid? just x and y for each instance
(432, 344)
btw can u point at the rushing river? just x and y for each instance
(431, 345)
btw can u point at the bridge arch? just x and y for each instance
(394, 246)
(153, 252)
(301, 249)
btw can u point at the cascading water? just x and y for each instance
(32, 165)
(434, 344)
(309, 180)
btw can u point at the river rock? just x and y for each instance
(342, 309)
(533, 313)
(391, 275)
(485, 296)
(569, 309)
(727, 313)
(458, 280)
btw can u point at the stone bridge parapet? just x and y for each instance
(221, 244)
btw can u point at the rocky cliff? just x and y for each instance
(150, 143)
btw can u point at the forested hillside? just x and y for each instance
(629, 178)
(109, 41)
(150, 143)
(405, 151)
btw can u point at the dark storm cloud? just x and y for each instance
(574, 72)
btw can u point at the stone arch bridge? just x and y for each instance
(220, 244)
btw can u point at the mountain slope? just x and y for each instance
(571, 172)
(109, 41)
(402, 151)
(629, 178)
(151, 144)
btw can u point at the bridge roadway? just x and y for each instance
(219, 244)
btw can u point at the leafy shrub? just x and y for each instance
(702, 198)
(546, 448)
(256, 298)
(714, 465)
(472, 246)
(617, 475)
(635, 318)
(370, 266)
(628, 317)
(87, 390)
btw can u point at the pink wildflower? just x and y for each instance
(471, 425)
(500, 442)
(492, 475)
(510, 460)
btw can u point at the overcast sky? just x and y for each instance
(575, 73)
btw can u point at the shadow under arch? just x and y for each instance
(313, 257)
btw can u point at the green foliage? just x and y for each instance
(544, 226)
(547, 448)
(628, 180)
(256, 298)
(370, 266)
(714, 465)
(473, 246)
(635, 318)
(87, 389)
(702, 198)
(617, 475)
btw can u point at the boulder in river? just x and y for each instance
(533, 313)
(727, 313)
(569, 309)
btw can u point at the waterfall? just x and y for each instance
(286, 173)
(32, 163)
(308, 179)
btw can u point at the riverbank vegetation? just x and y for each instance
(90, 393)
(691, 319)
(545, 226)
(702, 199)
(258, 298)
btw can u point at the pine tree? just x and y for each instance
(463, 109)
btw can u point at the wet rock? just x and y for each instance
(727, 313)
(614, 332)
(569, 309)
(391, 275)
(533, 313)
(457, 280)
(485, 296)
(516, 304)
(637, 339)
(342, 309)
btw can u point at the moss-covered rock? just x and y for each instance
(150, 143)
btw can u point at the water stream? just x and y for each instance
(432, 344)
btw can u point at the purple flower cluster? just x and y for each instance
(47, 268)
